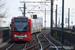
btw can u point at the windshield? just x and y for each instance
(21, 26)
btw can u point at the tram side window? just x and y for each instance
(12, 27)
(29, 28)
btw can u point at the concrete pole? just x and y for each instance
(68, 17)
(51, 17)
(62, 34)
(56, 16)
(45, 15)
(24, 9)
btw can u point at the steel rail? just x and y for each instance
(39, 42)
(50, 42)
(9, 46)
(32, 46)
(25, 46)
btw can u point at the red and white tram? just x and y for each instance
(23, 27)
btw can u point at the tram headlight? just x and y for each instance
(15, 35)
(25, 35)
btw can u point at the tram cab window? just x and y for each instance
(29, 27)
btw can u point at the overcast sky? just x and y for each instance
(13, 9)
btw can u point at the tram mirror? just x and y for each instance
(10, 25)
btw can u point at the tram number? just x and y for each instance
(20, 38)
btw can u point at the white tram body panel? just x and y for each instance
(36, 25)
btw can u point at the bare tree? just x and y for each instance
(1, 4)
(2, 14)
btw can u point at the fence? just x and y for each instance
(4, 34)
(68, 36)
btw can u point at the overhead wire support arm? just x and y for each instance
(24, 8)
(23, 12)
(21, 9)
(35, 2)
(39, 10)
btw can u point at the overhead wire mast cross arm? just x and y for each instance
(35, 1)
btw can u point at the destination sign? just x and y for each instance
(20, 19)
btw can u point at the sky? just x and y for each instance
(13, 10)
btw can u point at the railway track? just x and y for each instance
(53, 43)
(9, 46)
(17, 46)
(39, 41)
(34, 46)
(44, 42)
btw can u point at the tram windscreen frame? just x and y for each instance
(20, 24)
